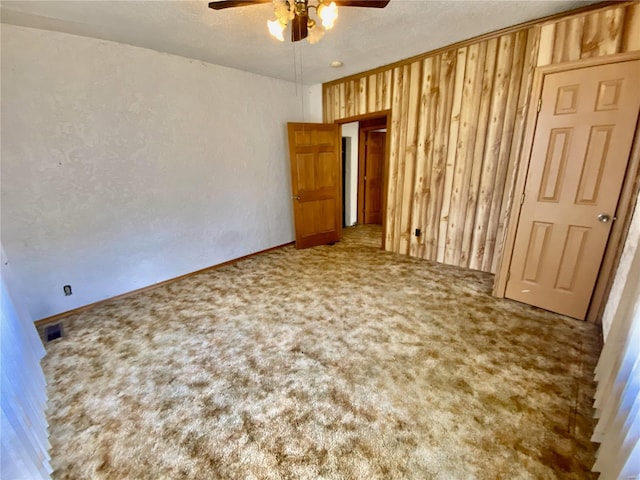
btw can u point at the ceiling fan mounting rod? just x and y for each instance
(302, 7)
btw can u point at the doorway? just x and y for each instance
(350, 173)
(346, 150)
(372, 139)
(357, 156)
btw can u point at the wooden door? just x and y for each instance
(314, 150)
(578, 161)
(374, 162)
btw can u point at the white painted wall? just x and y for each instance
(123, 167)
(313, 111)
(350, 130)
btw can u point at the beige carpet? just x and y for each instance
(338, 362)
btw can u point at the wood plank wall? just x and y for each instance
(457, 126)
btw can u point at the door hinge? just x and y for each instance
(508, 275)
(522, 199)
(539, 104)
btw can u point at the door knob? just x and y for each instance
(604, 218)
(296, 197)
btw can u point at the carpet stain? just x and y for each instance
(336, 362)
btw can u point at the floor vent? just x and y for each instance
(53, 331)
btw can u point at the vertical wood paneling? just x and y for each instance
(402, 85)
(342, 100)
(376, 92)
(524, 103)
(568, 38)
(410, 142)
(337, 99)
(394, 154)
(424, 154)
(327, 99)
(559, 50)
(482, 95)
(362, 96)
(631, 29)
(571, 45)
(386, 90)
(465, 146)
(457, 81)
(611, 27)
(490, 166)
(371, 99)
(382, 91)
(547, 39)
(604, 32)
(446, 86)
(457, 121)
(590, 36)
(436, 134)
(349, 110)
(496, 217)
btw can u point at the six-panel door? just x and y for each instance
(314, 151)
(578, 161)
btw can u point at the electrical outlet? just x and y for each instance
(67, 290)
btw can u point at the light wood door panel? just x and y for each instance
(578, 161)
(314, 151)
(374, 162)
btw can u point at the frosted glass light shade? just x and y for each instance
(328, 14)
(275, 29)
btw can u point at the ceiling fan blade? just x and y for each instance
(362, 3)
(299, 27)
(221, 4)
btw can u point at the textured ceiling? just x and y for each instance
(363, 38)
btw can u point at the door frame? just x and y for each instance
(385, 166)
(362, 159)
(624, 209)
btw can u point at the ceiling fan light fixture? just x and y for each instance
(328, 14)
(276, 28)
(298, 14)
(286, 12)
(282, 11)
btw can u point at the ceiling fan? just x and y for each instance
(298, 13)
